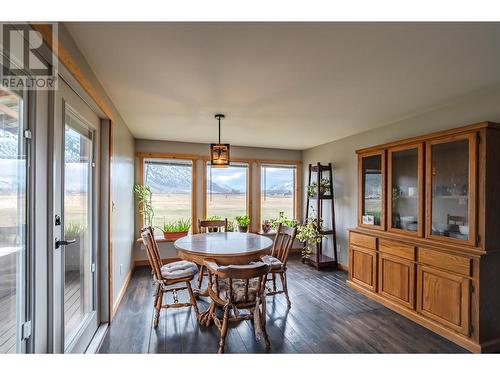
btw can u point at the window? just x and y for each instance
(277, 191)
(227, 191)
(171, 182)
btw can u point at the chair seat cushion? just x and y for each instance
(238, 290)
(178, 270)
(275, 263)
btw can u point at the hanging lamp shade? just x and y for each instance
(219, 152)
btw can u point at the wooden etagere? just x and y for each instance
(318, 259)
(427, 244)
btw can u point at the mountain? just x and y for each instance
(281, 188)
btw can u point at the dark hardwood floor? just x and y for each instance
(326, 317)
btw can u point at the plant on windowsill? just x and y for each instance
(230, 226)
(243, 222)
(174, 230)
(324, 187)
(143, 196)
(310, 235)
(282, 219)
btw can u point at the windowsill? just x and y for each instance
(161, 239)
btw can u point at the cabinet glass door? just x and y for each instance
(451, 173)
(405, 184)
(372, 198)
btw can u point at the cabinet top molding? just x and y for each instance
(428, 137)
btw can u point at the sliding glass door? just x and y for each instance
(13, 222)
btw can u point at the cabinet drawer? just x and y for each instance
(450, 262)
(398, 249)
(363, 240)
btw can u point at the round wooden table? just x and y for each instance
(224, 248)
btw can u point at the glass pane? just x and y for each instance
(450, 189)
(12, 221)
(171, 184)
(372, 189)
(405, 189)
(227, 191)
(78, 281)
(277, 192)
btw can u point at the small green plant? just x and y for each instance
(230, 226)
(310, 234)
(324, 186)
(243, 220)
(282, 219)
(214, 217)
(143, 196)
(181, 225)
(74, 229)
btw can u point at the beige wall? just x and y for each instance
(122, 176)
(142, 145)
(477, 107)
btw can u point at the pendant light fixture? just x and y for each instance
(219, 153)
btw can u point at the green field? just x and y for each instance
(170, 207)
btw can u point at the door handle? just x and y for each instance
(60, 243)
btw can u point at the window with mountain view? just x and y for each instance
(227, 191)
(171, 182)
(277, 192)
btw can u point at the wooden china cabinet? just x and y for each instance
(427, 244)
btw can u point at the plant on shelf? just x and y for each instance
(282, 219)
(324, 187)
(310, 235)
(243, 222)
(176, 229)
(143, 196)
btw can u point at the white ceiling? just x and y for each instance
(286, 85)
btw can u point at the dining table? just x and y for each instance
(225, 248)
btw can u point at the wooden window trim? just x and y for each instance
(297, 203)
(248, 208)
(141, 156)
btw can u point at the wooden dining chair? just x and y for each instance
(205, 226)
(235, 288)
(282, 244)
(168, 278)
(212, 225)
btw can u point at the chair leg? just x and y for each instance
(274, 282)
(159, 300)
(267, 343)
(223, 330)
(193, 300)
(200, 276)
(285, 287)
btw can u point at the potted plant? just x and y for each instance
(309, 234)
(324, 187)
(176, 229)
(266, 226)
(143, 196)
(243, 222)
(282, 219)
(230, 226)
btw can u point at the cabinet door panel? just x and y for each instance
(444, 297)
(363, 267)
(397, 280)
